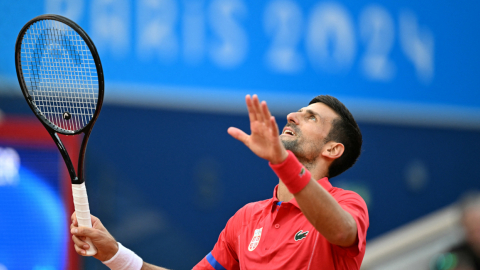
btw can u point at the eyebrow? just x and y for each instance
(313, 113)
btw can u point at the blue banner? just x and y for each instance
(411, 61)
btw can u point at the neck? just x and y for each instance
(283, 194)
(318, 169)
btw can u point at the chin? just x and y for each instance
(291, 145)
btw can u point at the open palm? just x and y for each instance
(264, 140)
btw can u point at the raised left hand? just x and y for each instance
(264, 140)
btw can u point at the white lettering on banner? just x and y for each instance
(378, 33)
(330, 40)
(418, 46)
(156, 30)
(283, 22)
(199, 31)
(193, 30)
(9, 166)
(110, 26)
(229, 49)
(72, 9)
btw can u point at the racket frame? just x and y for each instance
(51, 128)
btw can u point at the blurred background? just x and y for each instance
(164, 176)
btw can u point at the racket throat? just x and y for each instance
(81, 158)
(66, 158)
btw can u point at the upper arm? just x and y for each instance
(353, 204)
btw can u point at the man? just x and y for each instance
(466, 255)
(471, 224)
(308, 224)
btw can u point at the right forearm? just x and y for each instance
(147, 266)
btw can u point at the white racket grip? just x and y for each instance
(82, 211)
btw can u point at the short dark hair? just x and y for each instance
(345, 131)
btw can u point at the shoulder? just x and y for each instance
(249, 211)
(350, 201)
(346, 195)
(253, 207)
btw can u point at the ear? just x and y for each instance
(333, 150)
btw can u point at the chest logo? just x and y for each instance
(300, 235)
(255, 239)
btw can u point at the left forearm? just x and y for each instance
(326, 215)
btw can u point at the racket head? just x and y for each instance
(60, 73)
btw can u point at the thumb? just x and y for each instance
(238, 134)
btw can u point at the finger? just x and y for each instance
(266, 112)
(273, 123)
(74, 218)
(238, 134)
(73, 225)
(83, 231)
(94, 218)
(79, 243)
(80, 251)
(251, 110)
(96, 223)
(258, 110)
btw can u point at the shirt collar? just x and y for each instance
(323, 182)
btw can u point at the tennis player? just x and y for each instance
(307, 224)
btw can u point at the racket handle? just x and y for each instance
(82, 211)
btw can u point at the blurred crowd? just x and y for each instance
(466, 255)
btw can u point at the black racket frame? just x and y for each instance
(52, 129)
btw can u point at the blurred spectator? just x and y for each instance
(465, 256)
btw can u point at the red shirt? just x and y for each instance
(276, 235)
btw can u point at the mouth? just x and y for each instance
(288, 132)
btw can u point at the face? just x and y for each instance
(306, 130)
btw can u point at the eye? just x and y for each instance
(312, 117)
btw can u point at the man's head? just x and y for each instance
(324, 129)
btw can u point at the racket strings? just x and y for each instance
(60, 74)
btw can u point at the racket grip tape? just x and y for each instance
(82, 211)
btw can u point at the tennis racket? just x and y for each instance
(61, 77)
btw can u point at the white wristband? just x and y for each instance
(124, 259)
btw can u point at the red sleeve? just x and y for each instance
(224, 253)
(356, 206)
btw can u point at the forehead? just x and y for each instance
(321, 109)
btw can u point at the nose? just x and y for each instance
(293, 118)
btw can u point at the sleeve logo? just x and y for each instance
(300, 235)
(255, 239)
